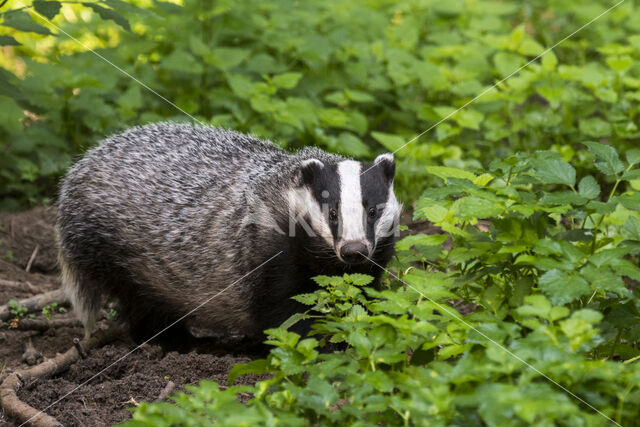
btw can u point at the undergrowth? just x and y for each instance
(544, 263)
(353, 77)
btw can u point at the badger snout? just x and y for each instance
(354, 252)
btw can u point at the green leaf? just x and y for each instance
(8, 41)
(588, 187)
(199, 47)
(390, 142)
(182, 61)
(549, 61)
(633, 156)
(10, 114)
(595, 127)
(444, 172)
(359, 279)
(620, 63)
(555, 172)
(259, 366)
(472, 207)
(227, 58)
(631, 175)
(604, 279)
(240, 85)
(632, 226)
(296, 317)
(506, 63)
(535, 305)
(23, 22)
(333, 117)
(630, 201)
(109, 14)
(351, 145)
(468, 118)
(287, 80)
(358, 96)
(608, 161)
(434, 213)
(588, 315)
(47, 8)
(562, 287)
(421, 240)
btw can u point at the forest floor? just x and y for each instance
(142, 375)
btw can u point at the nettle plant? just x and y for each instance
(540, 257)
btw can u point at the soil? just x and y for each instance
(140, 376)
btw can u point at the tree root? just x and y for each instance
(166, 391)
(9, 388)
(43, 325)
(37, 302)
(31, 356)
(19, 286)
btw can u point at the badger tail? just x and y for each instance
(85, 304)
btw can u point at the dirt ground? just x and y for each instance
(140, 376)
(104, 400)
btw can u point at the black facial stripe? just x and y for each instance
(325, 188)
(375, 192)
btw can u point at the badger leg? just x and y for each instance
(85, 303)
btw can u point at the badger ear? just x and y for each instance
(387, 164)
(309, 168)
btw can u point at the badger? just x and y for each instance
(164, 217)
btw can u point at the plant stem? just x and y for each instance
(615, 343)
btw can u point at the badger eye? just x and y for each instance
(333, 215)
(372, 213)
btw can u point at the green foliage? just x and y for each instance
(50, 309)
(547, 275)
(16, 309)
(353, 77)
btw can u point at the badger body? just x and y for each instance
(165, 217)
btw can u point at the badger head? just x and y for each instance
(349, 205)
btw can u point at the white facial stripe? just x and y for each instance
(352, 211)
(301, 204)
(390, 215)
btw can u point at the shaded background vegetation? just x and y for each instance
(532, 186)
(352, 77)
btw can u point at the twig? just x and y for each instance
(37, 302)
(32, 258)
(165, 391)
(15, 408)
(31, 356)
(131, 401)
(78, 346)
(43, 325)
(19, 286)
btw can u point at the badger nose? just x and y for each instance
(352, 252)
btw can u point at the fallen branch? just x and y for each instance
(43, 325)
(36, 303)
(22, 412)
(18, 286)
